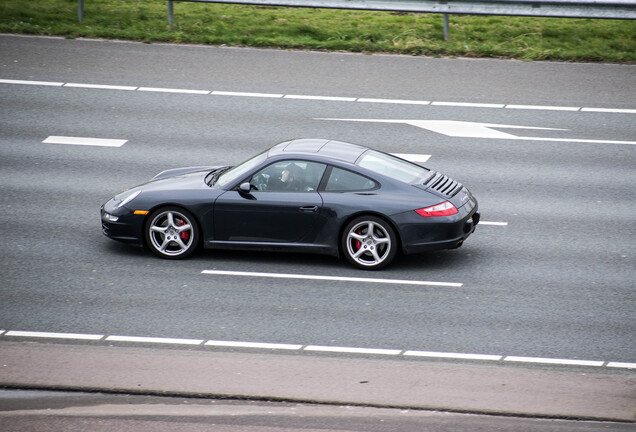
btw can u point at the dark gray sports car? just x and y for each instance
(304, 195)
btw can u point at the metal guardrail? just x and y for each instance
(597, 9)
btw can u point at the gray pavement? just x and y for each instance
(430, 385)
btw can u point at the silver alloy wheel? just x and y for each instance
(369, 243)
(171, 233)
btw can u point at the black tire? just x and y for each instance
(171, 233)
(369, 242)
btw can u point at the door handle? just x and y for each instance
(309, 209)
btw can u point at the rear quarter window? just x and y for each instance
(341, 180)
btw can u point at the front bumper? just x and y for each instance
(121, 225)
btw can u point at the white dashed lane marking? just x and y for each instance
(170, 90)
(35, 83)
(331, 278)
(257, 345)
(247, 94)
(158, 340)
(51, 335)
(493, 223)
(352, 350)
(553, 361)
(324, 98)
(462, 356)
(83, 141)
(4, 334)
(100, 86)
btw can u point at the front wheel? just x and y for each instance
(171, 233)
(369, 242)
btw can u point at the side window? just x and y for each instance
(289, 176)
(342, 180)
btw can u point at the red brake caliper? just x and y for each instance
(184, 235)
(358, 244)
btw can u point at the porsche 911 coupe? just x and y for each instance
(305, 195)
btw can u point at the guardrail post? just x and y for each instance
(170, 12)
(446, 31)
(80, 10)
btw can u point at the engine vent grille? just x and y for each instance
(443, 184)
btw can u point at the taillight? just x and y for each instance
(444, 209)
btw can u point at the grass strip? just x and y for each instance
(523, 38)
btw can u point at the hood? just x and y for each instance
(186, 170)
(176, 180)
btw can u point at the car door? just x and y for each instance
(283, 206)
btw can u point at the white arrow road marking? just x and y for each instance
(454, 128)
(460, 129)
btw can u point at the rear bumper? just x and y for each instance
(420, 234)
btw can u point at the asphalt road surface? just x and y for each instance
(47, 410)
(547, 149)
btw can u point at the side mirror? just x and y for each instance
(245, 188)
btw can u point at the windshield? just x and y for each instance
(393, 167)
(239, 171)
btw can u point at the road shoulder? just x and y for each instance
(423, 384)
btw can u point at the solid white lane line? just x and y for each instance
(246, 94)
(493, 223)
(39, 83)
(321, 98)
(99, 142)
(51, 335)
(352, 350)
(568, 362)
(253, 345)
(154, 340)
(394, 101)
(621, 365)
(453, 355)
(413, 157)
(100, 86)
(170, 90)
(541, 107)
(330, 278)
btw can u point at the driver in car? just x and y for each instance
(290, 178)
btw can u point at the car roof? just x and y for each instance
(320, 147)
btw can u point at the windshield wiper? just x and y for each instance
(213, 175)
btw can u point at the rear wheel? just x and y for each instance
(369, 242)
(171, 233)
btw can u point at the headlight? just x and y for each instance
(107, 217)
(128, 198)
